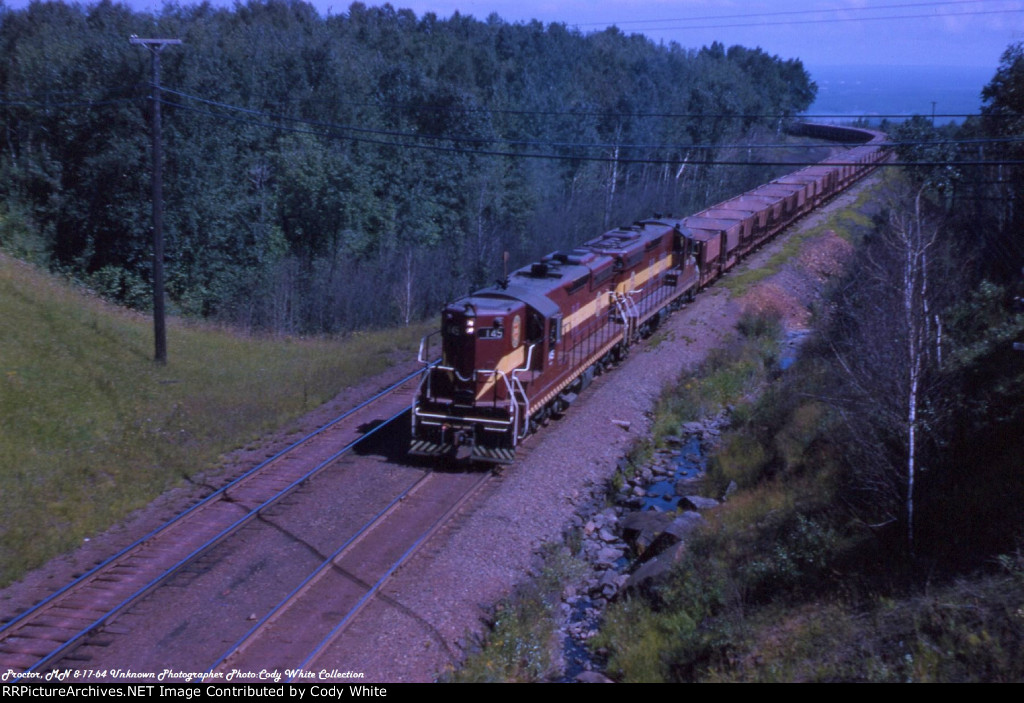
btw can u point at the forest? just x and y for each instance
(325, 174)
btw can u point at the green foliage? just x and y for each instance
(310, 159)
(638, 638)
(116, 283)
(521, 636)
(742, 460)
(802, 576)
(929, 150)
(755, 325)
(800, 556)
(20, 237)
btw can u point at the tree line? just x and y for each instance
(324, 174)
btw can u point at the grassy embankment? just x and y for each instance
(92, 429)
(785, 584)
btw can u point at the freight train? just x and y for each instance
(514, 354)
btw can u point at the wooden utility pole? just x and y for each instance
(155, 46)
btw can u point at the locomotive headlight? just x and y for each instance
(470, 323)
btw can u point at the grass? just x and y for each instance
(848, 223)
(521, 638)
(92, 429)
(728, 376)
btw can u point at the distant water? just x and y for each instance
(899, 90)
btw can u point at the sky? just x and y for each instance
(819, 32)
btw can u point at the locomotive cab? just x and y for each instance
(482, 339)
(471, 404)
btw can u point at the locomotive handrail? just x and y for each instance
(425, 349)
(528, 364)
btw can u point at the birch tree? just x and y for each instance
(887, 342)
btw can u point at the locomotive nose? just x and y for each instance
(459, 341)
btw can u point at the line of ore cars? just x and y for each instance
(515, 354)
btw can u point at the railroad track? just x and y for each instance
(52, 628)
(293, 634)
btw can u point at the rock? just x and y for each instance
(641, 529)
(592, 677)
(731, 488)
(699, 502)
(688, 486)
(685, 524)
(608, 556)
(657, 568)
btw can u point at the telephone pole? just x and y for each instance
(155, 46)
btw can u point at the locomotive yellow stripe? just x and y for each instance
(601, 302)
(591, 309)
(644, 275)
(517, 357)
(508, 363)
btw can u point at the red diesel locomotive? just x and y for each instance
(516, 353)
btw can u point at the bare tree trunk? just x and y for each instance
(612, 181)
(889, 353)
(914, 244)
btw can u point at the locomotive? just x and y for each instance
(514, 354)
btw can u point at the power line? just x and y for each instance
(569, 145)
(780, 13)
(419, 107)
(588, 113)
(577, 157)
(834, 20)
(472, 139)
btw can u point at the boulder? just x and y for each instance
(640, 529)
(699, 502)
(656, 569)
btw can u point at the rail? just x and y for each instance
(10, 628)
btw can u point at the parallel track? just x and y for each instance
(59, 623)
(295, 632)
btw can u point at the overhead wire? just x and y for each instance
(779, 13)
(748, 22)
(567, 157)
(340, 131)
(569, 145)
